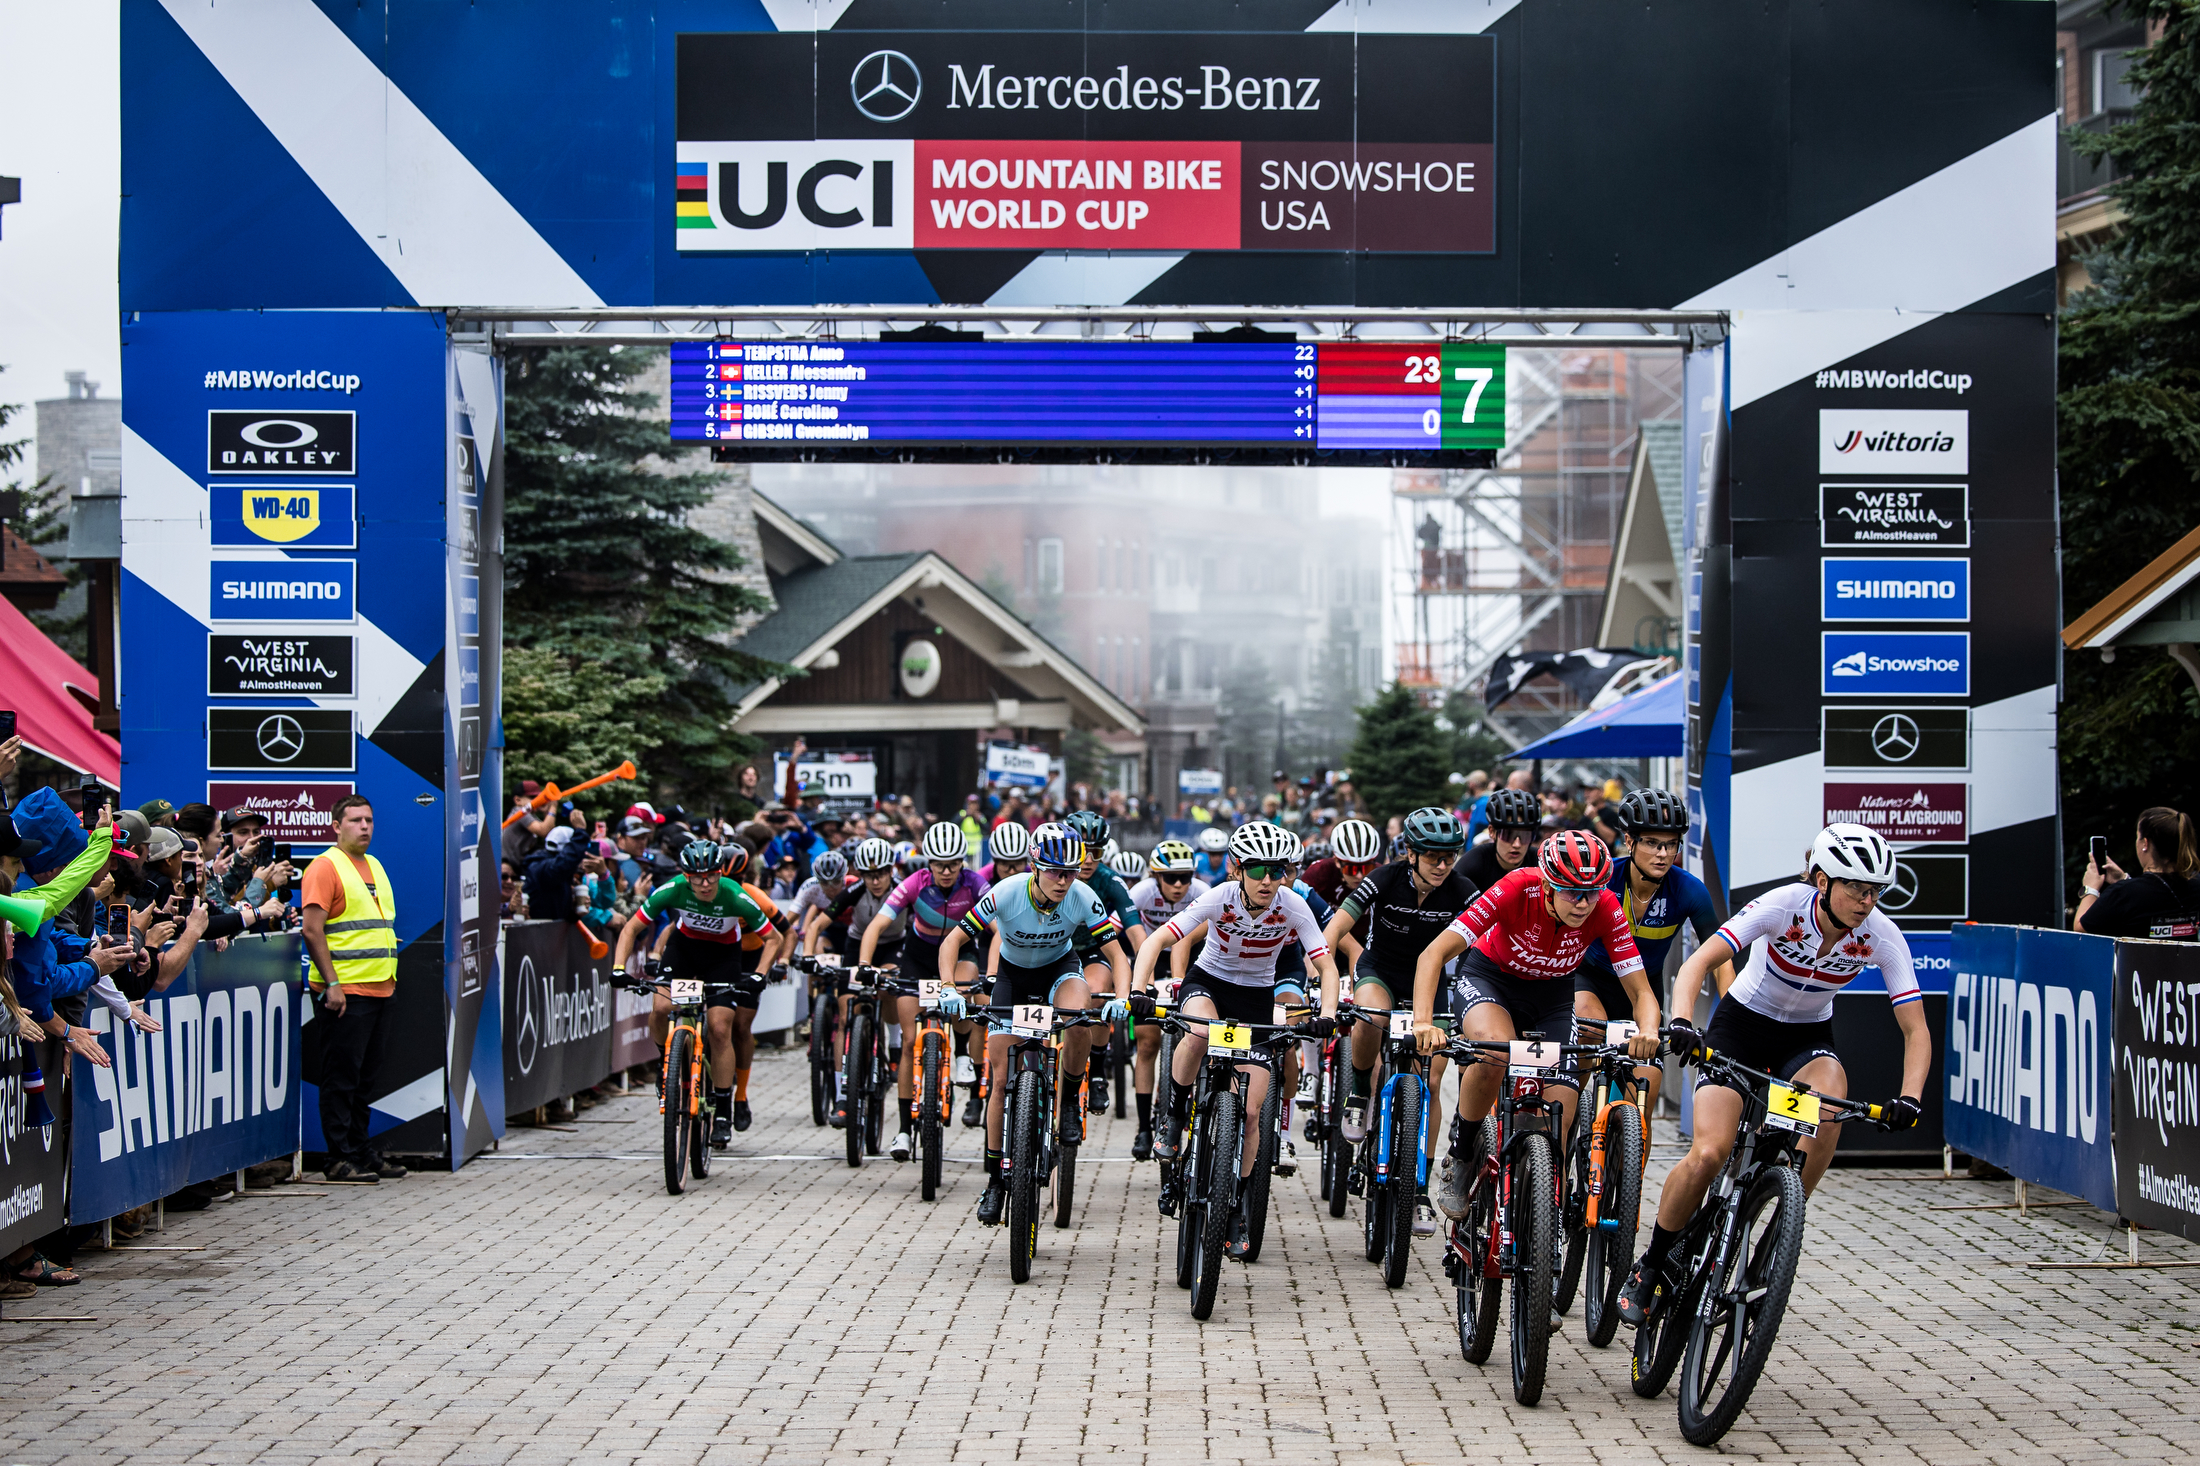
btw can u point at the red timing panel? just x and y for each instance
(1358, 369)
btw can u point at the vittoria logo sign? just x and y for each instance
(1893, 440)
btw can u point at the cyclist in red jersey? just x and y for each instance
(1522, 940)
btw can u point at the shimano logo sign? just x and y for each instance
(281, 590)
(1895, 590)
(1894, 441)
(1912, 663)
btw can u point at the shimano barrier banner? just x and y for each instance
(214, 1090)
(34, 1159)
(557, 1014)
(2157, 1079)
(2028, 1056)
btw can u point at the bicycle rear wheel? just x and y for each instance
(932, 1075)
(1658, 1343)
(1535, 1258)
(855, 1084)
(1729, 1341)
(1612, 1248)
(1258, 1185)
(1026, 1113)
(1063, 1173)
(821, 1064)
(1575, 1243)
(1406, 1108)
(699, 1145)
(1375, 1209)
(1225, 1134)
(679, 1061)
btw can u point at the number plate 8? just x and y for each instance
(1230, 1038)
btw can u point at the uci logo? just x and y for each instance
(885, 86)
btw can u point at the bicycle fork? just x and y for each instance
(1382, 1137)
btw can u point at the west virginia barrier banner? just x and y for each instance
(2028, 1056)
(2157, 1070)
(34, 1160)
(214, 1091)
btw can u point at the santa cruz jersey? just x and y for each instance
(931, 910)
(1786, 979)
(1242, 945)
(1032, 932)
(1510, 925)
(726, 917)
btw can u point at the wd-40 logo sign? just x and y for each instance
(309, 516)
(1894, 440)
(1910, 663)
(1895, 589)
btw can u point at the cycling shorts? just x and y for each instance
(1402, 995)
(1539, 1007)
(713, 962)
(1014, 984)
(1603, 984)
(1236, 1002)
(1749, 1037)
(920, 960)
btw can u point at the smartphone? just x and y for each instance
(262, 848)
(2100, 852)
(282, 855)
(118, 921)
(7, 724)
(89, 797)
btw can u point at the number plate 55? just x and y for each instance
(687, 990)
(928, 992)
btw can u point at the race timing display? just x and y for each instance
(1327, 397)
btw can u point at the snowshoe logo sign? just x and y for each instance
(1913, 663)
(1894, 441)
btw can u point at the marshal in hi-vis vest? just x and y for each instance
(362, 942)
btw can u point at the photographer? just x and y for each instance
(251, 866)
(2163, 900)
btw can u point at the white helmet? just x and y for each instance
(1852, 853)
(1128, 864)
(1261, 841)
(1356, 842)
(1213, 840)
(946, 841)
(1010, 841)
(873, 854)
(1109, 851)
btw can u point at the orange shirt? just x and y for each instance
(754, 941)
(322, 887)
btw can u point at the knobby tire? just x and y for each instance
(1726, 1353)
(931, 1076)
(1535, 1258)
(1226, 1134)
(1259, 1184)
(1612, 1253)
(1480, 1292)
(1406, 1109)
(679, 1060)
(1027, 1115)
(855, 1083)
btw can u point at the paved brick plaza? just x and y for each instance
(788, 1309)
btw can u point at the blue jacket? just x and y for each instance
(49, 964)
(549, 880)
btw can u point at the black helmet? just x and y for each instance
(1651, 809)
(1434, 828)
(1513, 808)
(700, 857)
(1089, 825)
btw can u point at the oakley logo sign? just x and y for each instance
(885, 86)
(271, 442)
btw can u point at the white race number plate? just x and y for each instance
(928, 992)
(1031, 1020)
(687, 990)
(1533, 1053)
(1401, 1025)
(827, 959)
(1620, 1030)
(1164, 991)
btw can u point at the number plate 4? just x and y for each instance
(1532, 1053)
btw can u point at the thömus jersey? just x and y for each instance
(727, 917)
(1510, 925)
(1155, 909)
(1680, 897)
(1033, 932)
(1787, 979)
(1243, 945)
(931, 910)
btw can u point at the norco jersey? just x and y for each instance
(1242, 944)
(1033, 933)
(1786, 978)
(1510, 925)
(727, 917)
(1155, 909)
(1399, 929)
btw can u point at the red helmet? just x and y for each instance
(1575, 858)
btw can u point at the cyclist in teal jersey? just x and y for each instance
(1093, 871)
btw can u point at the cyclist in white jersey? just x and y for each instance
(1806, 942)
(1168, 888)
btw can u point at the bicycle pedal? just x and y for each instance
(1355, 1182)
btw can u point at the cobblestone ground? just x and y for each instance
(551, 1303)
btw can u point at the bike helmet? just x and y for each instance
(1397, 847)
(1316, 850)
(699, 857)
(1356, 842)
(906, 857)
(1434, 828)
(1852, 853)
(1128, 864)
(1011, 841)
(1513, 809)
(1575, 858)
(1265, 843)
(1056, 847)
(873, 854)
(1171, 857)
(946, 841)
(733, 860)
(1088, 825)
(1109, 851)
(1651, 809)
(1214, 840)
(831, 868)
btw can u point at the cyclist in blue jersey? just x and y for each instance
(1213, 864)
(1038, 921)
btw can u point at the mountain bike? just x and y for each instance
(1033, 1151)
(685, 1101)
(935, 1081)
(1164, 1085)
(1510, 1231)
(1325, 1121)
(1382, 1174)
(1603, 1185)
(824, 1030)
(867, 1066)
(1269, 1128)
(1723, 1289)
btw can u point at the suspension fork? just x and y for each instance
(1382, 1136)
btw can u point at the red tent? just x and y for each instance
(43, 684)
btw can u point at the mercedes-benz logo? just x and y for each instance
(1894, 737)
(279, 738)
(529, 1040)
(885, 86)
(1901, 891)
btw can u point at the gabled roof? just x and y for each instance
(814, 601)
(2123, 608)
(790, 542)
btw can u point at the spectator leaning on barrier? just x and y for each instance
(552, 870)
(2163, 900)
(351, 935)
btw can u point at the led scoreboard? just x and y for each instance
(1380, 399)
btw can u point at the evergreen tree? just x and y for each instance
(565, 722)
(1401, 759)
(2129, 444)
(1321, 734)
(1474, 744)
(603, 571)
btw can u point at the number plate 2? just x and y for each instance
(1031, 1020)
(1791, 1109)
(687, 990)
(1232, 1039)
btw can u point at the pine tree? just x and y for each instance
(1246, 725)
(603, 571)
(1474, 745)
(1401, 760)
(2129, 408)
(1322, 733)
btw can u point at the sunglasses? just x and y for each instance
(1578, 893)
(1172, 880)
(1262, 871)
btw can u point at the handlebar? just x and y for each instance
(1694, 1050)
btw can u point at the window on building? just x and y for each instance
(1050, 567)
(1100, 662)
(1138, 670)
(2111, 89)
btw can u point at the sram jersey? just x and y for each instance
(727, 917)
(1242, 945)
(1155, 909)
(1787, 979)
(1511, 925)
(1033, 932)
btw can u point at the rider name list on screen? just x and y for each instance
(1324, 396)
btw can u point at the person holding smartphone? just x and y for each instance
(2162, 900)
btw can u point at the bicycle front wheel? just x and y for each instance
(821, 1067)
(1535, 1258)
(1119, 1063)
(1026, 1113)
(1164, 1087)
(1406, 1107)
(1219, 1187)
(855, 1084)
(1619, 1213)
(679, 1064)
(1575, 1243)
(932, 1076)
(1480, 1288)
(1257, 1185)
(1729, 1340)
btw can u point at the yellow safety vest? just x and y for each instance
(362, 942)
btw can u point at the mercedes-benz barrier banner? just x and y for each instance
(558, 1014)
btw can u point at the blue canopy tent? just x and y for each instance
(1646, 724)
